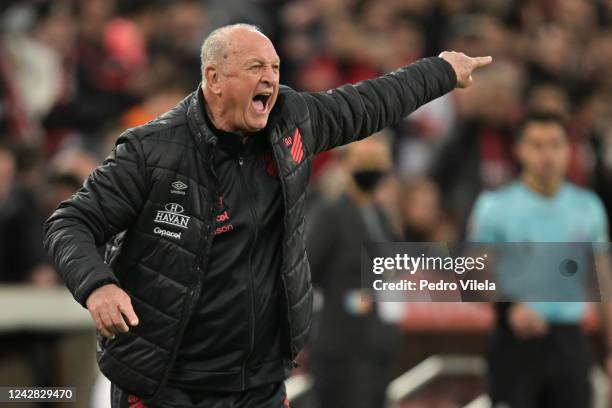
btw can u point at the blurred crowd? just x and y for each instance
(75, 73)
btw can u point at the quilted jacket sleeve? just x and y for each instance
(352, 112)
(107, 203)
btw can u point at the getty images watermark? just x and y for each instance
(560, 272)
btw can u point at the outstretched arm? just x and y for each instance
(352, 112)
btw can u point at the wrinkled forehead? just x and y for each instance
(246, 45)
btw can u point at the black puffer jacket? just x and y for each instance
(167, 237)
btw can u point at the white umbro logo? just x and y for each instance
(178, 187)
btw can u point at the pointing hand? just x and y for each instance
(464, 65)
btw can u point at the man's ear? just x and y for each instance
(211, 74)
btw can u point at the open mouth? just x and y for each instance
(260, 102)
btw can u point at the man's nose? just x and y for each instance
(269, 76)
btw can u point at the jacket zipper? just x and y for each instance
(250, 272)
(282, 277)
(187, 317)
(190, 295)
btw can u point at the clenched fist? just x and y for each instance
(111, 309)
(464, 65)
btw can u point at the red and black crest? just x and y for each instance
(295, 146)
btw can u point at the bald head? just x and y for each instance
(220, 43)
(240, 77)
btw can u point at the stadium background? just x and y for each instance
(73, 74)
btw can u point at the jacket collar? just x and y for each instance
(195, 118)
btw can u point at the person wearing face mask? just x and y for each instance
(352, 344)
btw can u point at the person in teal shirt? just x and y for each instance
(538, 354)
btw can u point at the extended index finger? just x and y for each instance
(481, 61)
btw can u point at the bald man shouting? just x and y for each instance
(204, 297)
